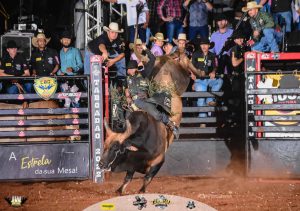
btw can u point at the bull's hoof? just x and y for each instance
(142, 190)
(119, 191)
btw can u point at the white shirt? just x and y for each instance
(131, 11)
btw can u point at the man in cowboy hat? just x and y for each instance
(143, 19)
(263, 28)
(181, 42)
(206, 63)
(158, 40)
(71, 64)
(70, 57)
(44, 60)
(14, 64)
(110, 47)
(138, 45)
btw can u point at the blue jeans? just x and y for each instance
(13, 89)
(195, 30)
(1, 86)
(141, 33)
(287, 16)
(267, 42)
(120, 65)
(173, 29)
(297, 25)
(202, 85)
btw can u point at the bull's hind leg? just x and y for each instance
(149, 176)
(127, 180)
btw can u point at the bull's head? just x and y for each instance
(114, 147)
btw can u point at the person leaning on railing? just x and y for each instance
(14, 64)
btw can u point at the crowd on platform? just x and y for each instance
(165, 27)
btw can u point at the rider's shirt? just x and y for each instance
(43, 62)
(14, 66)
(204, 62)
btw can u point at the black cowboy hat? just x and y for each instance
(221, 17)
(206, 41)
(132, 64)
(237, 35)
(11, 44)
(162, 99)
(66, 34)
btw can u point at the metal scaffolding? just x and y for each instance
(93, 19)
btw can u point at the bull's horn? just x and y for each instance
(107, 128)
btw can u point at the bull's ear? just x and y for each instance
(107, 128)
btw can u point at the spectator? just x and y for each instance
(71, 64)
(296, 14)
(180, 43)
(238, 80)
(198, 11)
(220, 37)
(158, 43)
(139, 49)
(168, 48)
(206, 62)
(154, 20)
(170, 11)
(70, 57)
(110, 47)
(14, 64)
(143, 19)
(263, 28)
(281, 9)
(44, 60)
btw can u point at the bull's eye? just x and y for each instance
(115, 146)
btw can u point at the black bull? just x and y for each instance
(141, 148)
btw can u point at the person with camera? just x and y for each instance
(198, 16)
(262, 24)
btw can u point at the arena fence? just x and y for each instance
(44, 140)
(272, 120)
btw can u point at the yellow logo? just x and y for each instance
(107, 206)
(45, 87)
(8, 64)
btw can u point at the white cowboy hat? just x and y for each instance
(114, 27)
(158, 36)
(181, 36)
(39, 36)
(137, 42)
(251, 5)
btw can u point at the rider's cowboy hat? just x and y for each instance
(251, 5)
(158, 36)
(113, 27)
(39, 36)
(66, 34)
(181, 36)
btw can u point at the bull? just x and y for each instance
(141, 148)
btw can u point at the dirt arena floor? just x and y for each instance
(227, 193)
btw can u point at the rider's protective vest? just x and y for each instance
(138, 86)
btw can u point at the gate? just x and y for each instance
(272, 120)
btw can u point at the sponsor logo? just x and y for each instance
(16, 201)
(161, 202)
(140, 202)
(45, 87)
(191, 205)
(107, 206)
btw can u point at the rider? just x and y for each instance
(137, 90)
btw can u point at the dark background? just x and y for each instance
(53, 15)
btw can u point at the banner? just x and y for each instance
(44, 161)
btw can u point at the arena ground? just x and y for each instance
(226, 193)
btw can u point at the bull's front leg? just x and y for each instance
(127, 180)
(149, 176)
